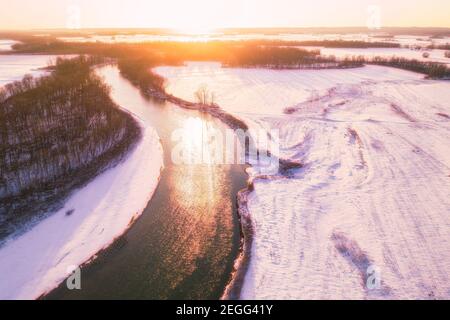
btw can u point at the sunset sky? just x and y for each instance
(210, 14)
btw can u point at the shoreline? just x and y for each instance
(232, 290)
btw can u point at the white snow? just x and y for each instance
(6, 45)
(14, 67)
(38, 260)
(374, 190)
(266, 91)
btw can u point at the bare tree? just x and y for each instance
(204, 96)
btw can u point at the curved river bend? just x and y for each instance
(185, 243)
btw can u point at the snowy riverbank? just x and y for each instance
(37, 261)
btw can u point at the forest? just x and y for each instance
(284, 58)
(339, 44)
(57, 133)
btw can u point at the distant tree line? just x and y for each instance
(432, 70)
(285, 58)
(56, 133)
(138, 71)
(337, 44)
(440, 46)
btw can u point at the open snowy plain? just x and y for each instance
(368, 215)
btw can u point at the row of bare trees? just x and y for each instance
(433, 70)
(138, 71)
(135, 60)
(278, 57)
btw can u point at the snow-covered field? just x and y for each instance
(14, 67)
(373, 194)
(265, 91)
(6, 45)
(91, 219)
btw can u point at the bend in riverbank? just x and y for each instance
(96, 221)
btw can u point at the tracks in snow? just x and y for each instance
(373, 192)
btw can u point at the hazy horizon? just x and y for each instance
(162, 29)
(198, 16)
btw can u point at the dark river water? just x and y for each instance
(184, 244)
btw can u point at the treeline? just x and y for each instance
(432, 70)
(338, 44)
(167, 52)
(174, 52)
(138, 70)
(284, 57)
(440, 46)
(56, 133)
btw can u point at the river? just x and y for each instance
(185, 243)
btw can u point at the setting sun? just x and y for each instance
(193, 31)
